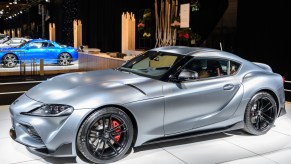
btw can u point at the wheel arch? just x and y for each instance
(273, 95)
(131, 116)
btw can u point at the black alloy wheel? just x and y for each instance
(260, 114)
(105, 136)
(9, 60)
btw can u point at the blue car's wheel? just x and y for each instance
(64, 59)
(105, 136)
(9, 60)
(260, 114)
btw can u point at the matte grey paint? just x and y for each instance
(159, 108)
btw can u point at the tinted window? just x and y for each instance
(50, 45)
(234, 66)
(208, 67)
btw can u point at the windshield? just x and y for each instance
(151, 64)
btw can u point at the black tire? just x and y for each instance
(260, 114)
(64, 59)
(105, 143)
(9, 60)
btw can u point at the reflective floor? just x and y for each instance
(233, 147)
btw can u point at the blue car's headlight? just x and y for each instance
(51, 110)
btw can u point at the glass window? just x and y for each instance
(50, 45)
(35, 44)
(208, 67)
(233, 67)
(151, 64)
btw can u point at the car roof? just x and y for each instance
(40, 40)
(198, 52)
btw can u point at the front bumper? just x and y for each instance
(49, 136)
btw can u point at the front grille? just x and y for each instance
(32, 132)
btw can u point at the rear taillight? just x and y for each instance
(283, 79)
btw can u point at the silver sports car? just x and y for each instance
(162, 94)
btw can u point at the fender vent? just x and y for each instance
(136, 88)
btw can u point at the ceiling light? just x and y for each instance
(7, 5)
(10, 3)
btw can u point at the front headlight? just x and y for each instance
(51, 110)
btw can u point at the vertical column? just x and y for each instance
(19, 32)
(77, 33)
(13, 33)
(52, 32)
(132, 33)
(127, 32)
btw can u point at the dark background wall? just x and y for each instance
(263, 32)
(260, 32)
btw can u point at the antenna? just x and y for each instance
(220, 46)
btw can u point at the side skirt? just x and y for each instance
(236, 126)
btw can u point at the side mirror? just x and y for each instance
(187, 75)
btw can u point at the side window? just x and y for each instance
(234, 66)
(44, 44)
(50, 45)
(35, 45)
(208, 67)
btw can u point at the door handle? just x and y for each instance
(228, 87)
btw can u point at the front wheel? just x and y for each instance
(9, 60)
(105, 136)
(64, 59)
(260, 114)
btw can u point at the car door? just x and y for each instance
(204, 101)
(51, 52)
(35, 50)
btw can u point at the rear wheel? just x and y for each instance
(64, 59)
(105, 136)
(9, 60)
(260, 114)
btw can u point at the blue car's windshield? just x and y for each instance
(151, 64)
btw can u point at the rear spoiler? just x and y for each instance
(264, 66)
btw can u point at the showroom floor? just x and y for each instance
(72, 66)
(234, 147)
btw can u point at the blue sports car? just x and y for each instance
(50, 51)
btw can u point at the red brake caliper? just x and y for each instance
(114, 125)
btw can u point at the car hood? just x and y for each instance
(95, 88)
